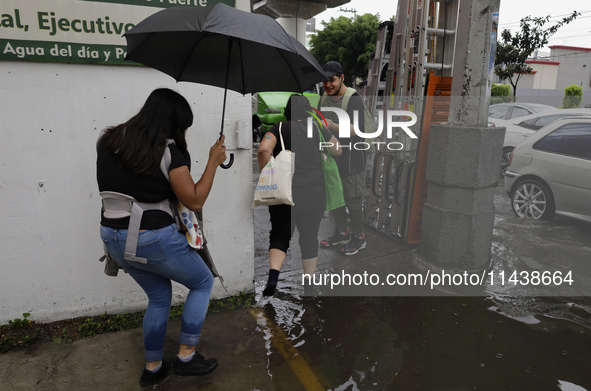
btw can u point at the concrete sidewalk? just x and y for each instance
(115, 361)
(252, 355)
(335, 342)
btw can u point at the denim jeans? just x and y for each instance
(169, 258)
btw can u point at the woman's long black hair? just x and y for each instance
(139, 143)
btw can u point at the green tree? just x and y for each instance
(514, 49)
(573, 97)
(349, 42)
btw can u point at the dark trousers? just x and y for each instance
(305, 215)
(355, 214)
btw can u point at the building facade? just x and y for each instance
(574, 68)
(565, 66)
(52, 109)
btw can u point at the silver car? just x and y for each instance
(514, 110)
(520, 128)
(550, 172)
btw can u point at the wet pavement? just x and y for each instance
(526, 335)
(505, 337)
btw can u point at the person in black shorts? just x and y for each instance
(308, 189)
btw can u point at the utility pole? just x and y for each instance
(464, 155)
(439, 191)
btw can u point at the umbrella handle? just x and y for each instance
(226, 166)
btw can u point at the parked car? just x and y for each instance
(550, 172)
(520, 128)
(270, 110)
(515, 110)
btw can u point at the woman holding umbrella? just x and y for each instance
(129, 162)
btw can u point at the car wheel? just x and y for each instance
(505, 159)
(532, 199)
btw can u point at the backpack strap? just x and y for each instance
(348, 94)
(165, 168)
(166, 159)
(118, 205)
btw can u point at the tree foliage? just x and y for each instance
(349, 42)
(514, 49)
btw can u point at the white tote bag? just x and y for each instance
(274, 185)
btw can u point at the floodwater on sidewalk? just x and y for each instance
(433, 343)
(508, 339)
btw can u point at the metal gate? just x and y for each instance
(410, 71)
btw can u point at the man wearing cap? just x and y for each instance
(351, 163)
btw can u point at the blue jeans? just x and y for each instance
(169, 258)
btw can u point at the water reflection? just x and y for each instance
(507, 340)
(435, 343)
(561, 245)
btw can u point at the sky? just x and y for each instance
(577, 33)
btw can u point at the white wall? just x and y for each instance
(50, 117)
(525, 81)
(546, 76)
(548, 97)
(575, 66)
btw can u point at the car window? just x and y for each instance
(519, 112)
(543, 121)
(526, 124)
(537, 109)
(572, 139)
(497, 111)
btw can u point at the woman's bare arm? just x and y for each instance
(265, 151)
(189, 193)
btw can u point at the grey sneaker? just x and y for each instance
(357, 243)
(336, 240)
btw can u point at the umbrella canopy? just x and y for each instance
(225, 47)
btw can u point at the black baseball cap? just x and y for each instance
(331, 68)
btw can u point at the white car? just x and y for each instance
(550, 172)
(505, 111)
(518, 129)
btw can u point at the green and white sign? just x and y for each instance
(82, 31)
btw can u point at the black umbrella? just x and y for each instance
(224, 47)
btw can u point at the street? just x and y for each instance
(508, 336)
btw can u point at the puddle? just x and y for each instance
(506, 340)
